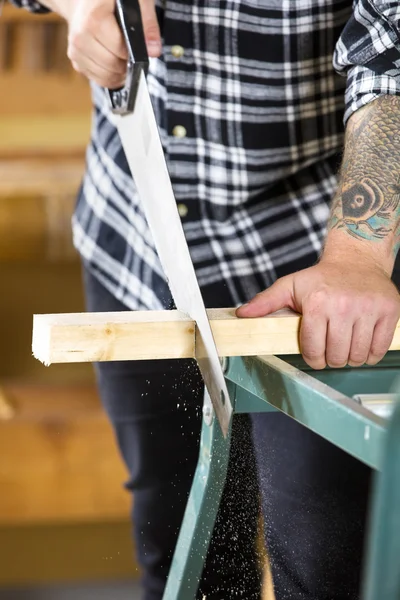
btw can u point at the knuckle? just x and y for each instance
(373, 360)
(315, 301)
(315, 363)
(115, 74)
(314, 359)
(151, 28)
(343, 305)
(391, 307)
(311, 354)
(357, 359)
(336, 362)
(368, 305)
(356, 364)
(379, 349)
(76, 66)
(359, 354)
(76, 40)
(381, 342)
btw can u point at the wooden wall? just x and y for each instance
(63, 512)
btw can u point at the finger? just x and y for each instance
(151, 28)
(84, 47)
(313, 333)
(103, 79)
(108, 34)
(338, 342)
(278, 296)
(361, 342)
(97, 74)
(382, 338)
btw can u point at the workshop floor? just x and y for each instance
(121, 591)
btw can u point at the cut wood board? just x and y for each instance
(145, 335)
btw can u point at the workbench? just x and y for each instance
(367, 427)
(355, 409)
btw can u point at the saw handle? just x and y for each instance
(129, 18)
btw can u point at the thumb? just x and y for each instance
(150, 27)
(279, 295)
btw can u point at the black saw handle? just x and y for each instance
(129, 18)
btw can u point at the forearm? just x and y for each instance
(365, 215)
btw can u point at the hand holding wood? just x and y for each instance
(349, 311)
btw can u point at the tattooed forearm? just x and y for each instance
(367, 204)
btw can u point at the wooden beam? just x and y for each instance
(143, 335)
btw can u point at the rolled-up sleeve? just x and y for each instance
(30, 5)
(368, 53)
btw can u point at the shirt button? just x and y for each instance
(183, 210)
(177, 51)
(179, 131)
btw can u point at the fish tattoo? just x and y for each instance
(365, 200)
(367, 205)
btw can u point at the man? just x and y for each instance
(250, 111)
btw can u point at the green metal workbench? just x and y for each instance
(355, 409)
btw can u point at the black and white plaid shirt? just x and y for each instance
(251, 114)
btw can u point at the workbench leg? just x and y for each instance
(201, 510)
(382, 569)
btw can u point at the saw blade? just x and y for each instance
(141, 141)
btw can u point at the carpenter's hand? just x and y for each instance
(96, 46)
(349, 312)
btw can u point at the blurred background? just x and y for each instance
(64, 515)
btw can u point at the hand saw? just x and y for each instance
(138, 130)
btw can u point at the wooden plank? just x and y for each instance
(88, 337)
(58, 457)
(157, 334)
(143, 335)
(33, 135)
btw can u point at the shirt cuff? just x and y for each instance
(30, 5)
(364, 86)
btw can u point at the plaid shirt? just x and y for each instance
(251, 114)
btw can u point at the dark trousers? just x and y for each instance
(155, 408)
(314, 496)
